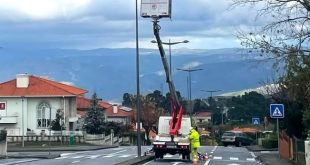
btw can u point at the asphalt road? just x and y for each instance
(217, 156)
(99, 157)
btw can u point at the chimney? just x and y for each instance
(22, 80)
(115, 108)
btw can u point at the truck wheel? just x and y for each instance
(157, 155)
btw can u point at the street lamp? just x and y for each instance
(138, 84)
(169, 44)
(170, 65)
(189, 70)
(211, 92)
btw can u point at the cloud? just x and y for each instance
(192, 64)
(89, 24)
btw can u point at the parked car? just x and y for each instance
(236, 138)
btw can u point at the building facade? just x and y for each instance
(29, 104)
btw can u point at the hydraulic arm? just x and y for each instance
(177, 109)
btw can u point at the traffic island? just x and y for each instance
(33, 155)
(137, 161)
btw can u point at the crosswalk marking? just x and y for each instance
(233, 158)
(108, 156)
(250, 159)
(217, 158)
(124, 156)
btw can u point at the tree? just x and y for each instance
(94, 121)
(56, 123)
(149, 113)
(249, 105)
(285, 38)
(288, 28)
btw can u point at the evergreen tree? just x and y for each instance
(56, 125)
(94, 120)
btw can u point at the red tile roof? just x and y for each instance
(84, 103)
(120, 112)
(39, 87)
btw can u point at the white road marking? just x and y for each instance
(117, 152)
(108, 156)
(124, 156)
(76, 161)
(66, 154)
(253, 155)
(250, 159)
(207, 162)
(77, 157)
(94, 156)
(63, 157)
(213, 150)
(217, 158)
(117, 149)
(233, 158)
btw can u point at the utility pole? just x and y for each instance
(138, 84)
(190, 70)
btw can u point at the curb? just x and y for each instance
(59, 149)
(52, 156)
(137, 161)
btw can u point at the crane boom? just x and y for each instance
(177, 109)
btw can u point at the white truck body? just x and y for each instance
(180, 144)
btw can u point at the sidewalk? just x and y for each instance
(269, 156)
(43, 152)
(273, 159)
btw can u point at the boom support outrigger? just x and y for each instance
(177, 109)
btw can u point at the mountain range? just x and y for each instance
(112, 72)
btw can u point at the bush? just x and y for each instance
(270, 143)
(3, 134)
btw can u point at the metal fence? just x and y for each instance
(299, 151)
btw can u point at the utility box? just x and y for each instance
(155, 8)
(307, 151)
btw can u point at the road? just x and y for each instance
(218, 155)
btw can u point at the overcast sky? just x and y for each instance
(89, 24)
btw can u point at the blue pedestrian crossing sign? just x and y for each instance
(255, 121)
(276, 111)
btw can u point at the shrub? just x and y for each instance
(3, 134)
(270, 143)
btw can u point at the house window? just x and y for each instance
(43, 115)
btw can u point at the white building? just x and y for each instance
(30, 103)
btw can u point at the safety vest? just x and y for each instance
(194, 138)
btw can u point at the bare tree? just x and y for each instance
(287, 30)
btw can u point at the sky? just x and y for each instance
(92, 24)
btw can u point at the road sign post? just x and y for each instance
(277, 112)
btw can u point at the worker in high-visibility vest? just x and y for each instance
(194, 140)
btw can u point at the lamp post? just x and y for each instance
(169, 44)
(170, 65)
(211, 92)
(190, 70)
(23, 140)
(138, 84)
